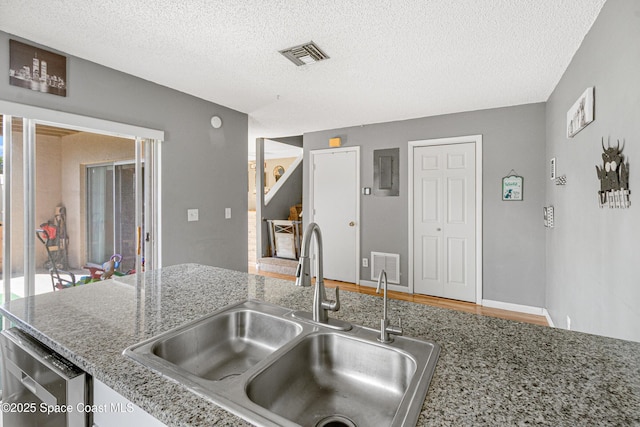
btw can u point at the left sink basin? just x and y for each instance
(222, 345)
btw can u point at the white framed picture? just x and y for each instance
(581, 113)
(553, 169)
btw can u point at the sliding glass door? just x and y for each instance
(13, 213)
(95, 193)
(100, 214)
(111, 214)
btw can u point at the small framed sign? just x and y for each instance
(512, 188)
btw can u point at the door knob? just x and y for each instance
(352, 224)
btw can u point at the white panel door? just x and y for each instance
(335, 185)
(444, 221)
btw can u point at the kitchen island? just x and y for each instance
(490, 372)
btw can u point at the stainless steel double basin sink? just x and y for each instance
(273, 369)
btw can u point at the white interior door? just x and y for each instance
(335, 208)
(444, 222)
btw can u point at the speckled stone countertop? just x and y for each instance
(490, 372)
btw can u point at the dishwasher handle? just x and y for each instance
(30, 384)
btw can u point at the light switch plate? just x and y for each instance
(192, 215)
(227, 213)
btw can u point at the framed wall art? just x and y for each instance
(512, 187)
(581, 113)
(37, 69)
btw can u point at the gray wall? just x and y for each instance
(593, 269)
(513, 242)
(202, 167)
(290, 192)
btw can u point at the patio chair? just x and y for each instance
(58, 279)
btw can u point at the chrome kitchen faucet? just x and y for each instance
(303, 276)
(385, 329)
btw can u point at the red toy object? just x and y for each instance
(106, 270)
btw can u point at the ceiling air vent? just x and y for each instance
(304, 54)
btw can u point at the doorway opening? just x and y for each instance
(275, 205)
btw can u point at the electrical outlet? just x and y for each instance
(568, 323)
(365, 262)
(192, 215)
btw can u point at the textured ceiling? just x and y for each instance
(389, 59)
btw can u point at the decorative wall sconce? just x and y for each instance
(614, 178)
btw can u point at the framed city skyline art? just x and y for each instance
(37, 69)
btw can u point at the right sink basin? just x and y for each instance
(329, 379)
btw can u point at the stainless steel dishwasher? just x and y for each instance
(39, 387)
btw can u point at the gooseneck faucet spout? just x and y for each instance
(386, 330)
(303, 276)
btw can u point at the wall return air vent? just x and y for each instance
(390, 263)
(304, 54)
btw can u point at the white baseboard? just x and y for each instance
(539, 311)
(526, 309)
(369, 283)
(390, 286)
(548, 317)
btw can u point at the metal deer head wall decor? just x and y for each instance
(614, 178)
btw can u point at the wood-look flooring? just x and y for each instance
(424, 299)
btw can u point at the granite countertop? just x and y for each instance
(490, 371)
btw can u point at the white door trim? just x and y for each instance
(356, 196)
(77, 122)
(477, 140)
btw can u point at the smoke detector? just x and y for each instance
(304, 54)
